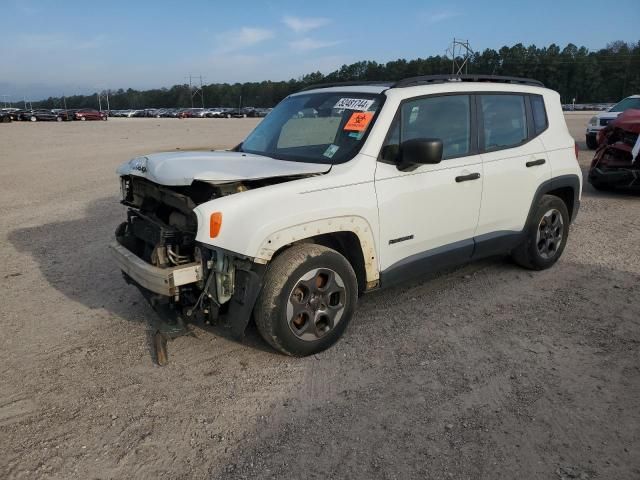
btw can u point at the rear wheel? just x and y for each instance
(545, 235)
(592, 142)
(33, 118)
(310, 293)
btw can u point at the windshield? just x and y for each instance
(626, 104)
(316, 127)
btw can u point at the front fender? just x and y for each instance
(258, 222)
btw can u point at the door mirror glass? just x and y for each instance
(420, 151)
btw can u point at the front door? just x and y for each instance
(428, 215)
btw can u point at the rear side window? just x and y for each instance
(539, 114)
(505, 120)
(447, 118)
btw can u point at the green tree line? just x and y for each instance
(605, 75)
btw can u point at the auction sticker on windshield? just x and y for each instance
(361, 104)
(331, 151)
(359, 121)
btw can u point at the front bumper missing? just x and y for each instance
(163, 281)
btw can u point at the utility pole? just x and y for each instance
(5, 101)
(195, 90)
(460, 52)
(104, 94)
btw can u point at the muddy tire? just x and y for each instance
(545, 235)
(310, 293)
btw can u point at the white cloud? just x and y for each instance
(301, 25)
(442, 16)
(306, 44)
(242, 38)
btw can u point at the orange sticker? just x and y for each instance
(359, 121)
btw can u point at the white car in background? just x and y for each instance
(601, 120)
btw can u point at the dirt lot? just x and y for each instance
(488, 372)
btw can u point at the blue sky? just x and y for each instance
(50, 47)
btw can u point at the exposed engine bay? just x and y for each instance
(161, 229)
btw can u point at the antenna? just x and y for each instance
(460, 52)
(195, 90)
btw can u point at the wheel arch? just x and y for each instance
(352, 237)
(565, 187)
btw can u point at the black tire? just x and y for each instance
(284, 275)
(592, 142)
(530, 254)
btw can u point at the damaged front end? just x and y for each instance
(617, 160)
(183, 280)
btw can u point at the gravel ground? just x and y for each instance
(489, 371)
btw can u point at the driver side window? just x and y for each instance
(446, 117)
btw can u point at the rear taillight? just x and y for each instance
(575, 146)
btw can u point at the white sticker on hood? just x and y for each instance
(361, 104)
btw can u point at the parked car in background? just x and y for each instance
(90, 114)
(601, 120)
(65, 115)
(617, 161)
(40, 115)
(184, 113)
(215, 113)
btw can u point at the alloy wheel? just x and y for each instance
(550, 234)
(316, 304)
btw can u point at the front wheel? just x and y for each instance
(592, 142)
(545, 235)
(33, 118)
(310, 293)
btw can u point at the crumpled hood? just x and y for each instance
(182, 168)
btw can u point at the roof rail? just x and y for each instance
(427, 79)
(382, 83)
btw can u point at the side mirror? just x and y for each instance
(419, 151)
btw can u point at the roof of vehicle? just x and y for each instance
(381, 86)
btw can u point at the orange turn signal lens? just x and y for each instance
(215, 224)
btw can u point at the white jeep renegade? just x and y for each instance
(344, 189)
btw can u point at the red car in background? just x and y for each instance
(617, 160)
(90, 114)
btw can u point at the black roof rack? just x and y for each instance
(427, 79)
(347, 84)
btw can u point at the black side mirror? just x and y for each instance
(419, 151)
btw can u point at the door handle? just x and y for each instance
(466, 178)
(533, 163)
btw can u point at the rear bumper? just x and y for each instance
(163, 281)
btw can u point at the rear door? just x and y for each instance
(514, 160)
